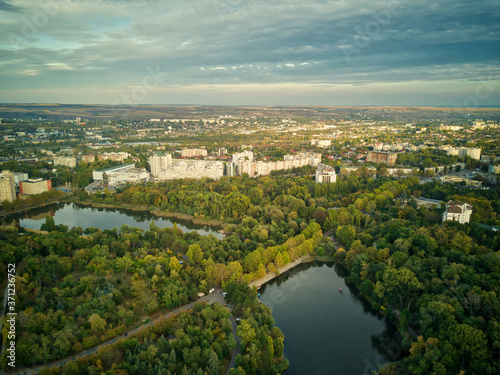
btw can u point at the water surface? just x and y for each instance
(328, 332)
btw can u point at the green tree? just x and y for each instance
(213, 363)
(270, 348)
(97, 324)
(398, 286)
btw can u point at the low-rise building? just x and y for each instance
(323, 143)
(114, 156)
(325, 174)
(388, 158)
(88, 158)
(457, 180)
(494, 169)
(66, 161)
(34, 186)
(193, 152)
(457, 211)
(121, 174)
(133, 175)
(99, 175)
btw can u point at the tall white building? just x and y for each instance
(182, 168)
(474, 153)
(260, 168)
(7, 186)
(325, 174)
(457, 211)
(239, 158)
(159, 163)
(18, 177)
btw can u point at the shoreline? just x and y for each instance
(3, 213)
(158, 213)
(289, 266)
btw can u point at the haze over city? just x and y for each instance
(250, 52)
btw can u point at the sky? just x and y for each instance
(251, 52)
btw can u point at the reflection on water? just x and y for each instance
(328, 332)
(74, 215)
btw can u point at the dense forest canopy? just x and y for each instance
(77, 288)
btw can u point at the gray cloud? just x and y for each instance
(6, 6)
(107, 45)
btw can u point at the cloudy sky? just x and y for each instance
(269, 52)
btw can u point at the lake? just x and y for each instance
(74, 215)
(328, 332)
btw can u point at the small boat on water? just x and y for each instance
(340, 290)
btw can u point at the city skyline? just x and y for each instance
(250, 52)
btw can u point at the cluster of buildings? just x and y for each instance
(243, 163)
(461, 152)
(13, 183)
(164, 167)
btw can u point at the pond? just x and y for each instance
(328, 331)
(74, 215)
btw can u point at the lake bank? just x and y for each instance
(286, 267)
(53, 201)
(156, 212)
(96, 216)
(327, 331)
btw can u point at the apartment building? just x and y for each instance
(7, 186)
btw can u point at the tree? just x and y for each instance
(246, 331)
(346, 235)
(97, 324)
(194, 253)
(398, 286)
(49, 224)
(213, 363)
(270, 348)
(278, 342)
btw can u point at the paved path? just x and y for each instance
(236, 351)
(210, 299)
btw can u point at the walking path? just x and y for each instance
(210, 299)
(236, 350)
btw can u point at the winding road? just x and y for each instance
(210, 299)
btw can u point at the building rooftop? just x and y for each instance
(117, 167)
